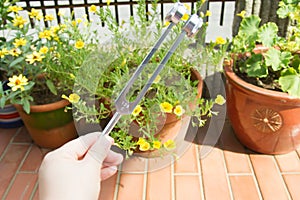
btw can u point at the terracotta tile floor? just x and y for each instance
(226, 170)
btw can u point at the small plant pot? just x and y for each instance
(263, 120)
(49, 125)
(9, 117)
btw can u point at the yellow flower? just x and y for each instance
(49, 17)
(34, 57)
(167, 23)
(73, 98)
(208, 13)
(220, 100)
(166, 107)
(156, 144)
(141, 141)
(242, 14)
(15, 52)
(179, 110)
(124, 62)
(93, 8)
(185, 17)
(19, 21)
(17, 82)
(108, 2)
(73, 23)
(144, 146)
(61, 13)
(14, 9)
(34, 13)
(54, 29)
(79, 44)
(169, 145)
(156, 80)
(220, 40)
(3, 52)
(20, 42)
(78, 20)
(137, 110)
(44, 50)
(45, 34)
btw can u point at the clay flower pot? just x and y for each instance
(265, 121)
(49, 125)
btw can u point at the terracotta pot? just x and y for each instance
(48, 125)
(265, 121)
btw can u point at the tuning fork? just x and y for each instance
(190, 28)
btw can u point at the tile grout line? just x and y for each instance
(35, 188)
(172, 179)
(227, 176)
(290, 173)
(282, 179)
(17, 172)
(199, 172)
(118, 182)
(10, 142)
(145, 180)
(254, 178)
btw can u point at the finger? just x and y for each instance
(78, 148)
(112, 159)
(107, 172)
(99, 150)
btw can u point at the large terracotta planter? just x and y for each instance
(49, 125)
(263, 120)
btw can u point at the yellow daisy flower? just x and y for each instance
(34, 13)
(73, 98)
(141, 141)
(15, 52)
(79, 44)
(44, 50)
(169, 145)
(178, 110)
(19, 21)
(156, 144)
(17, 82)
(108, 2)
(78, 20)
(93, 8)
(166, 107)
(49, 17)
(220, 100)
(208, 13)
(137, 110)
(14, 9)
(46, 34)
(185, 17)
(167, 23)
(19, 42)
(3, 52)
(220, 40)
(34, 57)
(187, 6)
(144, 146)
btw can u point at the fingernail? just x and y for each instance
(113, 168)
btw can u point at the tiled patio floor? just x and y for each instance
(229, 171)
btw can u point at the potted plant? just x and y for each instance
(172, 96)
(39, 65)
(263, 83)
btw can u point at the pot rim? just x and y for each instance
(46, 107)
(253, 88)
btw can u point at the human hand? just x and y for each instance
(75, 170)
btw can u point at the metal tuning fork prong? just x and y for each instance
(190, 28)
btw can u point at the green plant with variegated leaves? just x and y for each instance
(268, 60)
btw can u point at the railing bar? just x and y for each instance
(56, 11)
(86, 9)
(222, 12)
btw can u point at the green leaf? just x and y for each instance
(290, 84)
(51, 86)
(277, 60)
(26, 106)
(267, 34)
(16, 61)
(255, 66)
(288, 71)
(249, 25)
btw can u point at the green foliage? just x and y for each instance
(279, 60)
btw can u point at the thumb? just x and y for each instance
(100, 149)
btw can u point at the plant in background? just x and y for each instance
(174, 92)
(277, 66)
(39, 64)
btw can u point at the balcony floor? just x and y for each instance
(228, 171)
